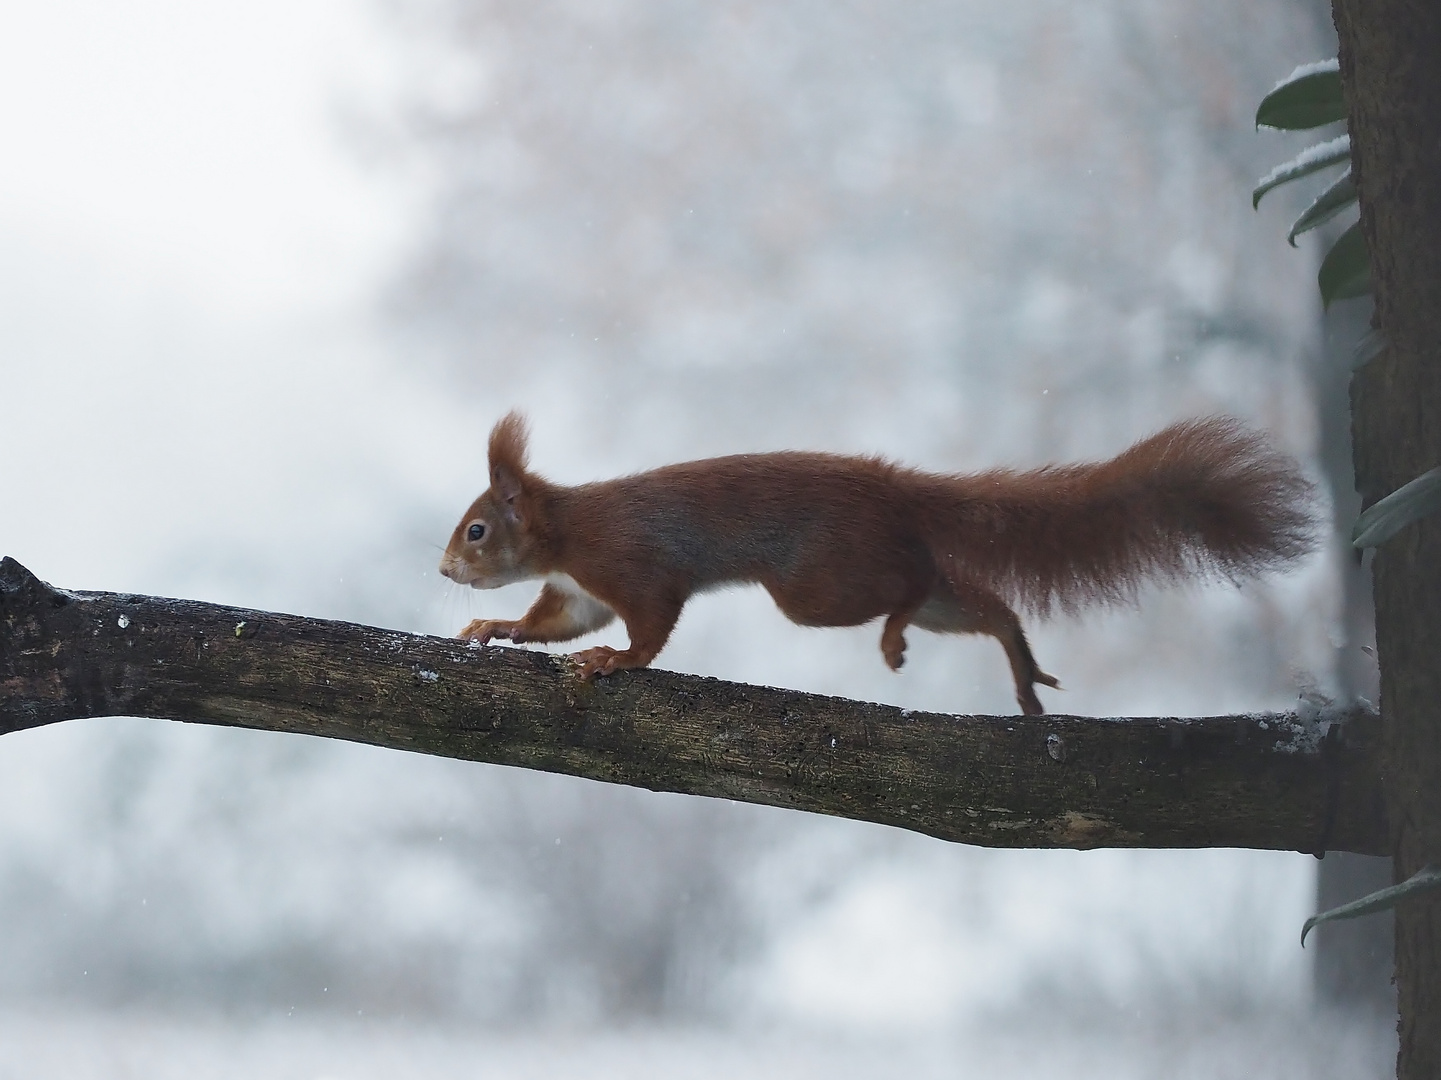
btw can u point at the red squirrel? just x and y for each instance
(839, 541)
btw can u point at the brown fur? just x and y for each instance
(840, 541)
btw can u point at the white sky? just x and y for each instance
(191, 146)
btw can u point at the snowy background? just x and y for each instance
(267, 275)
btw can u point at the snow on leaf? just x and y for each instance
(1312, 159)
(1315, 67)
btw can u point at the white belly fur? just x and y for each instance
(584, 610)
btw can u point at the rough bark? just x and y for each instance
(1391, 69)
(1259, 781)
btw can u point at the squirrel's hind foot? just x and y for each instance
(1026, 696)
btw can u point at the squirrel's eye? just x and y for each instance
(475, 532)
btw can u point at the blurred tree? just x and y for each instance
(1353, 961)
(946, 209)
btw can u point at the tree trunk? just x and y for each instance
(1391, 68)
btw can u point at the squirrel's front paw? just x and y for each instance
(482, 630)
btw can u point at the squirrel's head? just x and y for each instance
(495, 543)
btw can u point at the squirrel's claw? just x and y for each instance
(597, 661)
(603, 660)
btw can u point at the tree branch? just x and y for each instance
(1258, 781)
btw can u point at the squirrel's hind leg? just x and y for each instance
(963, 608)
(1024, 669)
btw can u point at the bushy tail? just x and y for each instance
(1203, 498)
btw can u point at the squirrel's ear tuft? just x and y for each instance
(507, 455)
